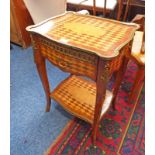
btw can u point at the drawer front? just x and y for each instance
(68, 59)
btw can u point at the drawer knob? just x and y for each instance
(63, 64)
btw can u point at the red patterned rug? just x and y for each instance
(120, 131)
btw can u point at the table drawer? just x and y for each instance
(68, 59)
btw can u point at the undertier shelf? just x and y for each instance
(77, 96)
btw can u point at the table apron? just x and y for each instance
(74, 61)
(68, 59)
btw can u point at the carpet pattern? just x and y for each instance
(134, 142)
(120, 131)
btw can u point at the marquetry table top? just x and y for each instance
(100, 36)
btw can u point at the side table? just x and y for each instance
(82, 45)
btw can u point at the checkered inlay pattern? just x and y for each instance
(77, 96)
(94, 34)
(65, 97)
(73, 62)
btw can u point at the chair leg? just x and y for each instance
(126, 10)
(137, 85)
(94, 7)
(120, 7)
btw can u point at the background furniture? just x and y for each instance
(81, 45)
(19, 20)
(129, 9)
(136, 53)
(94, 6)
(138, 56)
(27, 12)
(74, 4)
(45, 9)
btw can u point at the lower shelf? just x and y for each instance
(77, 96)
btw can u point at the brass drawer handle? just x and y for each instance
(63, 64)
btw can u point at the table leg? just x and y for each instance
(41, 67)
(101, 84)
(119, 77)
